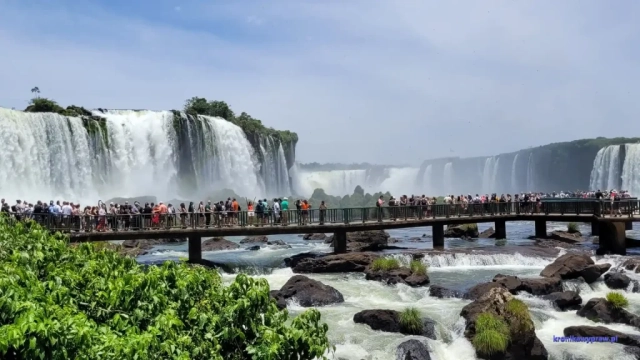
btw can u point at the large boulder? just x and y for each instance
(402, 275)
(412, 350)
(600, 310)
(370, 240)
(442, 292)
(602, 331)
(389, 321)
(524, 343)
(307, 292)
(349, 262)
(566, 236)
(464, 231)
(254, 239)
(564, 300)
(632, 264)
(295, 259)
(617, 280)
(534, 286)
(573, 266)
(318, 236)
(218, 243)
(490, 233)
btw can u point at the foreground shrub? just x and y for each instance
(492, 334)
(385, 264)
(418, 268)
(617, 300)
(519, 312)
(411, 321)
(62, 302)
(572, 228)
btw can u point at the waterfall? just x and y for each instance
(125, 153)
(530, 174)
(631, 169)
(487, 175)
(427, 183)
(494, 176)
(448, 178)
(606, 172)
(514, 177)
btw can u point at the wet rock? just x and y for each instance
(295, 259)
(632, 264)
(524, 343)
(442, 292)
(602, 331)
(599, 310)
(276, 242)
(534, 286)
(254, 239)
(307, 292)
(412, 350)
(218, 243)
(481, 289)
(464, 231)
(402, 275)
(572, 266)
(490, 233)
(566, 236)
(253, 248)
(319, 236)
(564, 300)
(415, 239)
(349, 262)
(617, 280)
(389, 321)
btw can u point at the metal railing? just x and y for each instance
(150, 222)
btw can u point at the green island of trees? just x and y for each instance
(86, 302)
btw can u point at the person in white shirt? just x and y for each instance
(276, 210)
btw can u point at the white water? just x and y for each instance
(514, 174)
(606, 173)
(274, 171)
(488, 175)
(631, 169)
(531, 171)
(401, 181)
(448, 178)
(427, 179)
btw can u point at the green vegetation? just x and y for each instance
(385, 264)
(572, 228)
(492, 334)
(520, 313)
(40, 105)
(469, 227)
(418, 268)
(87, 302)
(411, 321)
(617, 300)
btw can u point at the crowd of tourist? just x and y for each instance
(113, 216)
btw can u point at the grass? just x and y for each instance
(385, 264)
(411, 321)
(572, 228)
(469, 227)
(418, 268)
(617, 300)
(520, 312)
(492, 334)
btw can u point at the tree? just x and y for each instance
(36, 91)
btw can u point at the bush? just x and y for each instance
(385, 264)
(572, 228)
(520, 313)
(492, 334)
(87, 302)
(487, 321)
(418, 268)
(617, 300)
(411, 321)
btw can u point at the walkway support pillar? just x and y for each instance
(595, 228)
(501, 229)
(541, 228)
(612, 238)
(628, 225)
(438, 235)
(195, 249)
(340, 242)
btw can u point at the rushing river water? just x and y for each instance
(450, 269)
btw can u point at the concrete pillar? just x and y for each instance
(501, 229)
(438, 235)
(595, 228)
(195, 249)
(541, 228)
(628, 225)
(612, 238)
(340, 242)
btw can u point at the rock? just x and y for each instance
(617, 280)
(490, 233)
(524, 343)
(307, 292)
(373, 240)
(349, 262)
(632, 264)
(602, 331)
(442, 292)
(253, 248)
(218, 243)
(389, 321)
(534, 286)
(402, 275)
(566, 236)
(254, 239)
(415, 239)
(295, 259)
(464, 231)
(319, 236)
(564, 300)
(481, 289)
(276, 242)
(572, 266)
(599, 310)
(412, 350)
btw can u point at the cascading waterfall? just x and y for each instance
(606, 172)
(631, 169)
(514, 174)
(448, 178)
(530, 174)
(427, 182)
(487, 175)
(494, 176)
(273, 170)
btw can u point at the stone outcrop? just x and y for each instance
(254, 239)
(307, 292)
(490, 233)
(565, 300)
(617, 280)
(632, 264)
(389, 321)
(465, 231)
(402, 275)
(372, 240)
(514, 284)
(442, 292)
(295, 259)
(349, 262)
(600, 310)
(318, 236)
(524, 343)
(412, 350)
(573, 266)
(565, 236)
(218, 243)
(602, 331)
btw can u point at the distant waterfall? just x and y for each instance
(531, 173)
(428, 179)
(606, 172)
(514, 174)
(488, 175)
(273, 170)
(631, 169)
(448, 178)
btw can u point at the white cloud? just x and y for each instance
(370, 80)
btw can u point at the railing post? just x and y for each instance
(345, 216)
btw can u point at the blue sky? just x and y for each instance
(362, 80)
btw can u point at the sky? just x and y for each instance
(374, 81)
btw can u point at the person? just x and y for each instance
(379, 205)
(276, 211)
(207, 214)
(250, 213)
(284, 208)
(323, 211)
(260, 212)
